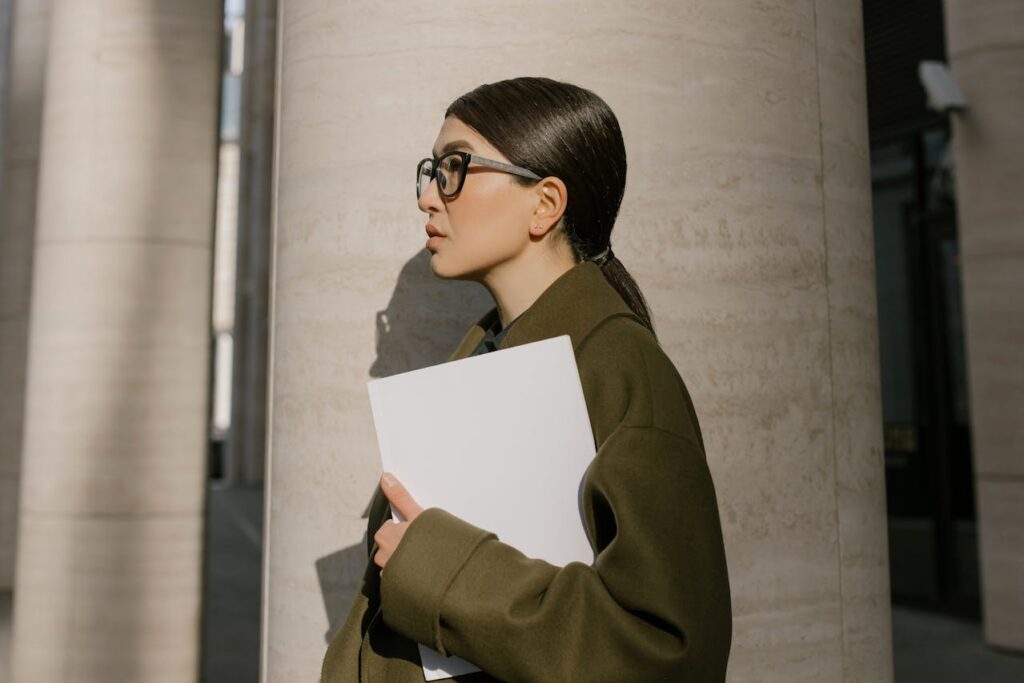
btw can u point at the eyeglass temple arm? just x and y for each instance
(518, 170)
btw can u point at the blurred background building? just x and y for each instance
(138, 187)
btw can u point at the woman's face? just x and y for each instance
(487, 223)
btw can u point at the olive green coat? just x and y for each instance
(655, 605)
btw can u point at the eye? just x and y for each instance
(452, 164)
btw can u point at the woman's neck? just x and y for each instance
(516, 284)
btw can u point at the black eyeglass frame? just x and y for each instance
(467, 158)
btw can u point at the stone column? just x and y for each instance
(247, 436)
(746, 221)
(29, 32)
(5, 54)
(109, 547)
(986, 52)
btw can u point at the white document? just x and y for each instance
(501, 440)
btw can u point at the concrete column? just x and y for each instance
(29, 31)
(247, 437)
(108, 564)
(746, 221)
(5, 41)
(5, 55)
(986, 52)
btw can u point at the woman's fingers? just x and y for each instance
(399, 497)
(388, 536)
(380, 558)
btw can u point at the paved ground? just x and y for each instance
(927, 648)
(934, 649)
(231, 592)
(5, 636)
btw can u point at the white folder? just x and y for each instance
(501, 440)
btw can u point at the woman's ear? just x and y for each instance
(552, 196)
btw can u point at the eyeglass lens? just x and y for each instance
(448, 175)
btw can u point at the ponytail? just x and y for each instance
(619, 278)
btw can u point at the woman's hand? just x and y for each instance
(391, 532)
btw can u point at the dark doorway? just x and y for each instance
(929, 477)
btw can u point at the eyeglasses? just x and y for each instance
(450, 171)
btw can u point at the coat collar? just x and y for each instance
(574, 304)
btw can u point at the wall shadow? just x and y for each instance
(425, 318)
(339, 574)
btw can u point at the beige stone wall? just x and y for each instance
(109, 547)
(746, 221)
(29, 31)
(986, 53)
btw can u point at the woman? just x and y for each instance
(522, 193)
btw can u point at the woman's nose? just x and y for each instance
(430, 199)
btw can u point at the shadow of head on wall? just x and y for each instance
(425, 318)
(337, 584)
(339, 574)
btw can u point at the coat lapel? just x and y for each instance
(574, 304)
(473, 337)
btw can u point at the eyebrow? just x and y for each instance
(454, 144)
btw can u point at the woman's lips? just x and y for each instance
(434, 236)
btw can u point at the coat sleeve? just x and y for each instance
(654, 606)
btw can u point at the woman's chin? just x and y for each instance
(438, 267)
(444, 269)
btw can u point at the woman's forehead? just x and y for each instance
(455, 134)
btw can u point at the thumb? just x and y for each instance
(399, 497)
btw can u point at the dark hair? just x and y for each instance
(559, 129)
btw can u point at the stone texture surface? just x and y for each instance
(26, 62)
(854, 365)
(746, 222)
(1001, 536)
(109, 547)
(117, 368)
(986, 54)
(994, 317)
(120, 614)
